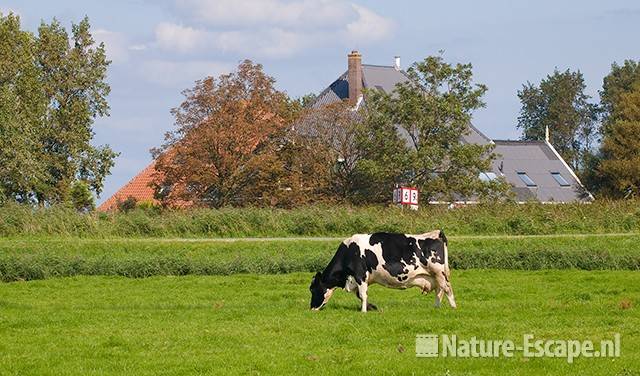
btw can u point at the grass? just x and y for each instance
(260, 324)
(498, 219)
(29, 259)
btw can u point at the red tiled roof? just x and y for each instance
(139, 187)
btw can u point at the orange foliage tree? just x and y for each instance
(229, 130)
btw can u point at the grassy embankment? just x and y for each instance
(28, 259)
(499, 219)
(53, 242)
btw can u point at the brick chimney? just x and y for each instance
(354, 76)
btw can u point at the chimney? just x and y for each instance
(396, 62)
(354, 76)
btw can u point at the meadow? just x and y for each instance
(226, 291)
(261, 324)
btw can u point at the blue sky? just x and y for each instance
(159, 48)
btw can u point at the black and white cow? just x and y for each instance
(393, 260)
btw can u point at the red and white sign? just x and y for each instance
(405, 196)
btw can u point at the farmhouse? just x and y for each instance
(535, 170)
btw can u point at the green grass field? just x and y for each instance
(221, 306)
(260, 324)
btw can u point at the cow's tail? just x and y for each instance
(447, 271)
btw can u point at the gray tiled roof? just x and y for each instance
(382, 77)
(337, 91)
(373, 77)
(536, 158)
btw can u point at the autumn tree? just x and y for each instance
(227, 133)
(560, 103)
(52, 88)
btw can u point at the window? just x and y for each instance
(560, 179)
(487, 176)
(526, 179)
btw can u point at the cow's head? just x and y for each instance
(320, 294)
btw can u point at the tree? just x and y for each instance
(622, 79)
(333, 131)
(74, 82)
(81, 197)
(618, 169)
(434, 110)
(384, 156)
(559, 103)
(227, 129)
(22, 108)
(50, 94)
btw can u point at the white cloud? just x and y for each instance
(181, 38)
(271, 42)
(181, 74)
(368, 26)
(271, 28)
(138, 47)
(306, 13)
(115, 44)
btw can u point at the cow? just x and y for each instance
(393, 260)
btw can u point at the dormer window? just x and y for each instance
(560, 179)
(526, 179)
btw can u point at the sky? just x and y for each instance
(159, 48)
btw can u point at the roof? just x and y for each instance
(139, 187)
(379, 77)
(538, 160)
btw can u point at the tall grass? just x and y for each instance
(599, 217)
(24, 259)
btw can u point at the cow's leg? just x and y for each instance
(370, 306)
(445, 286)
(439, 296)
(362, 294)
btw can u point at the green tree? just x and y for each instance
(81, 197)
(622, 79)
(22, 109)
(560, 103)
(384, 157)
(73, 73)
(617, 171)
(434, 109)
(52, 87)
